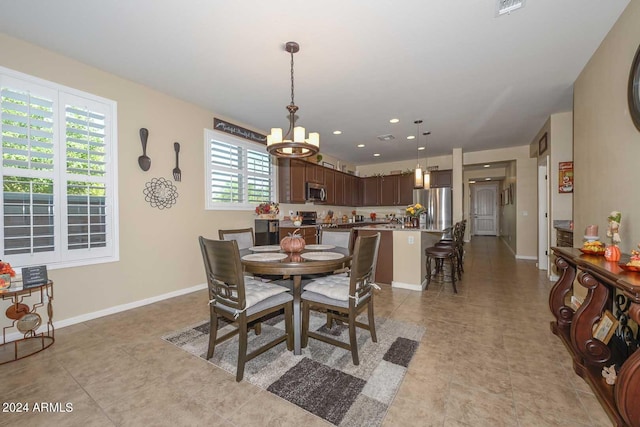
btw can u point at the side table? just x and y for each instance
(26, 335)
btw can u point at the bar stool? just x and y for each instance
(439, 255)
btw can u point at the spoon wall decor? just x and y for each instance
(144, 161)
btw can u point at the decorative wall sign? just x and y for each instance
(565, 177)
(34, 276)
(160, 193)
(542, 144)
(236, 130)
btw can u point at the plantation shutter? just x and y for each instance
(240, 176)
(28, 153)
(86, 169)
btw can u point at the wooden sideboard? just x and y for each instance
(611, 288)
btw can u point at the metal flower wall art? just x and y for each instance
(160, 193)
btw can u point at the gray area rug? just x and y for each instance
(323, 379)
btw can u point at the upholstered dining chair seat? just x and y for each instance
(259, 296)
(331, 290)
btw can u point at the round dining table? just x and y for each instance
(296, 265)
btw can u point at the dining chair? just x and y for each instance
(244, 237)
(241, 300)
(345, 297)
(340, 237)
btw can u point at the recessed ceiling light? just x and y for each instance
(360, 145)
(394, 120)
(420, 148)
(487, 166)
(337, 132)
(472, 182)
(487, 179)
(411, 137)
(376, 155)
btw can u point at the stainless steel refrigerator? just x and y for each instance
(439, 208)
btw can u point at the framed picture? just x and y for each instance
(565, 177)
(542, 144)
(328, 165)
(606, 327)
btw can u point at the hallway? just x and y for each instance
(488, 358)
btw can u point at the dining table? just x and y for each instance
(314, 259)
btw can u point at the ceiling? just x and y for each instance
(477, 80)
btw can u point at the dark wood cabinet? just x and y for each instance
(405, 189)
(439, 179)
(314, 173)
(291, 180)
(356, 191)
(371, 191)
(339, 178)
(330, 186)
(390, 190)
(564, 238)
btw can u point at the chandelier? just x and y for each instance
(294, 143)
(418, 177)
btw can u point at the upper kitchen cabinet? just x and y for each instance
(340, 190)
(371, 191)
(405, 189)
(396, 190)
(330, 185)
(314, 173)
(439, 179)
(291, 180)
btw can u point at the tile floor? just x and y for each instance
(487, 359)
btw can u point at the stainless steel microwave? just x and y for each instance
(315, 192)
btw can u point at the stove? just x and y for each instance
(308, 217)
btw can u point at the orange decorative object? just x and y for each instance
(612, 253)
(293, 243)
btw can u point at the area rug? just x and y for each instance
(323, 379)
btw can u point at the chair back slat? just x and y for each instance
(363, 266)
(224, 272)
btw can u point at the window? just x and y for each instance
(239, 174)
(59, 187)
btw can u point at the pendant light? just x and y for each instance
(427, 176)
(294, 143)
(418, 178)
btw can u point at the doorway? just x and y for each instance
(543, 216)
(485, 209)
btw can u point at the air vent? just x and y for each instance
(508, 6)
(387, 137)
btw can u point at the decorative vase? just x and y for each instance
(415, 222)
(612, 253)
(267, 216)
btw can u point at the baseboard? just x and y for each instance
(127, 306)
(527, 257)
(107, 311)
(400, 285)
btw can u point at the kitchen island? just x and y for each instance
(401, 258)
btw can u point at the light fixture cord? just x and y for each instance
(292, 101)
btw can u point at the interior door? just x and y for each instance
(485, 210)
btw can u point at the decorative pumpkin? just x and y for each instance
(612, 253)
(292, 243)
